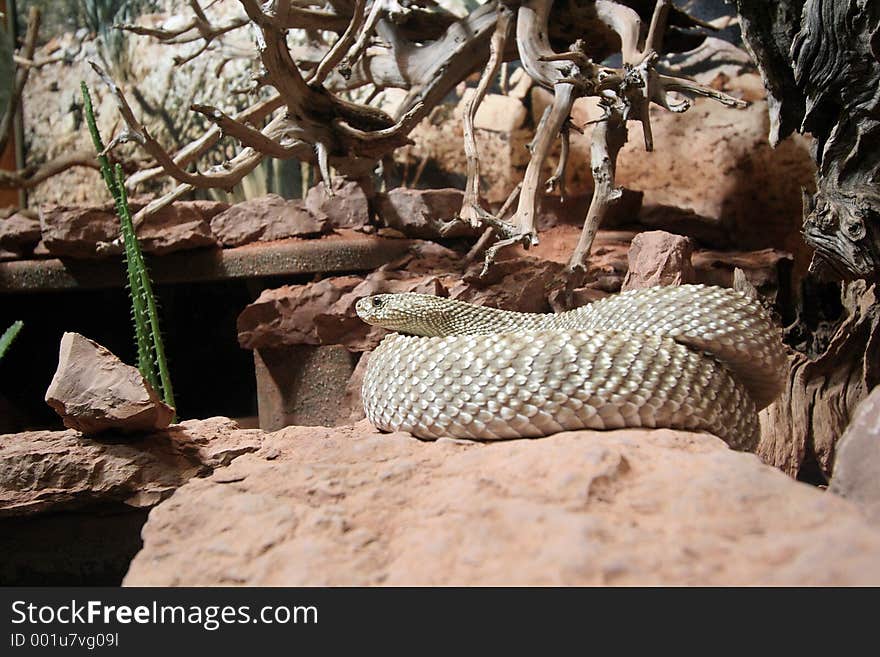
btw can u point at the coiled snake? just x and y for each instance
(685, 357)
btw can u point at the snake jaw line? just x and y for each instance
(408, 312)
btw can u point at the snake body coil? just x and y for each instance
(685, 357)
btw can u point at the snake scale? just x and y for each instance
(685, 357)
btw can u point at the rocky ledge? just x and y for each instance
(349, 506)
(58, 471)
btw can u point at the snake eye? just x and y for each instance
(377, 302)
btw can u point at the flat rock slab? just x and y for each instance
(53, 471)
(346, 251)
(349, 506)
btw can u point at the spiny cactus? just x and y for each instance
(8, 336)
(151, 351)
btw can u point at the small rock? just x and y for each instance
(424, 213)
(178, 227)
(265, 219)
(856, 473)
(86, 232)
(347, 208)
(208, 209)
(94, 391)
(659, 258)
(19, 232)
(76, 231)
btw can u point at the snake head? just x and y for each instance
(370, 309)
(408, 312)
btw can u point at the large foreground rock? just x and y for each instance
(349, 506)
(94, 391)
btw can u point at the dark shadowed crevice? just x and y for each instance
(92, 547)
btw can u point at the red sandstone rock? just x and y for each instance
(659, 258)
(423, 213)
(76, 231)
(52, 471)
(87, 232)
(519, 284)
(426, 257)
(94, 391)
(347, 208)
(265, 219)
(352, 407)
(19, 233)
(178, 227)
(323, 313)
(348, 506)
(208, 209)
(285, 315)
(856, 474)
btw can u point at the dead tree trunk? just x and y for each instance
(820, 61)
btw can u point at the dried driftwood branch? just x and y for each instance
(625, 94)
(32, 175)
(387, 44)
(7, 121)
(821, 64)
(471, 211)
